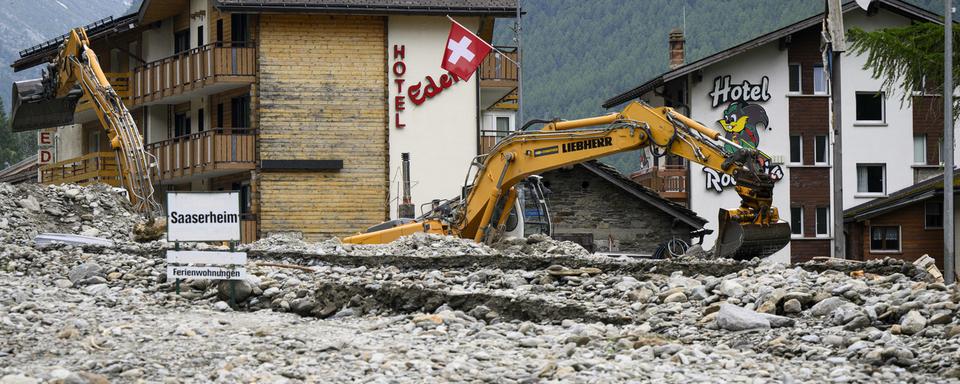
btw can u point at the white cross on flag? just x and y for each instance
(464, 52)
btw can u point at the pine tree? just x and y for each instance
(14, 146)
(908, 58)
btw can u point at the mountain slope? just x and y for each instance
(25, 23)
(577, 54)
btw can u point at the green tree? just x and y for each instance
(908, 58)
(13, 146)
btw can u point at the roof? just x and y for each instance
(504, 8)
(23, 171)
(47, 50)
(645, 194)
(897, 6)
(915, 193)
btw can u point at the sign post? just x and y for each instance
(200, 217)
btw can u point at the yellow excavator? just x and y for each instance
(753, 229)
(51, 101)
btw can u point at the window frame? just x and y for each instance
(883, 108)
(799, 150)
(826, 230)
(823, 76)
(799, 68)
(926, 214)
(826, 150)
(800, 216)
(899, 239)
(923, 147)
(883, 168)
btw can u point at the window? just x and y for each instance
(503, 126)
(181, 125)
(115, 60)
(823, 219)
(820, 149)
(239, 32)
(240, 111)
(819, 80)
(920, 149)
(885, 238)
(199, 35)
(933, 215)
(870, 106)
(870, 178)
(181, 41)
(200, 119)
(794, 72)
(134, 49)
(796, 221)
(219, 32)
(796, 148)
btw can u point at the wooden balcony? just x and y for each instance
(200, 71)
(670, 181)
(498, 77)
(92, 168)
(210, 153)
(120, 81)
(497, 71)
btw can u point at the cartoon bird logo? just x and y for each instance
(743, 122)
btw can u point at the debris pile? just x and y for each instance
(29, 209)
(521, 311)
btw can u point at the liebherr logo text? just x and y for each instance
(588, 144)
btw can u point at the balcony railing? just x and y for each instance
(220, 150)
(94, 167)
(490, 138)
(194, 69)
(120, 81)
(670, 181)
(496, 67)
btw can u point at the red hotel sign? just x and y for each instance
(418, 93)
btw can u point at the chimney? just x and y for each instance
(676, 48)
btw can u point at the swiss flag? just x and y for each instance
(464, 51)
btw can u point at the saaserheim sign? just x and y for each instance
(743, 119)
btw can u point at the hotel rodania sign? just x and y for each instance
(742, 120)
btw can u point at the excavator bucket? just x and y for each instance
(34, 108)
(744, 241)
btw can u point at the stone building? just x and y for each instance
(593, 204)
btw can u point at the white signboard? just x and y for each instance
(206, 257)
(207, 273)
(203, 216)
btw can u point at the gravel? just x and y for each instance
(308, 312)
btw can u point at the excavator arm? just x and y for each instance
(50, 102)
(750, 230)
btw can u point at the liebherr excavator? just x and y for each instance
(51, 101)
(753, 229)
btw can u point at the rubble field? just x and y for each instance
(430, 308)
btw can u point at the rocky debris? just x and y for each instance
(27, 210)
(400, 313)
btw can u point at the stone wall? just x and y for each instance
(582, 202)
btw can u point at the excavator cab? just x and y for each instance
(530, 214)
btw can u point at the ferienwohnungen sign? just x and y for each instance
(203, 216)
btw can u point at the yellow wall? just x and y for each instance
(322, 96)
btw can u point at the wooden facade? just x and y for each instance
(322, 96)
